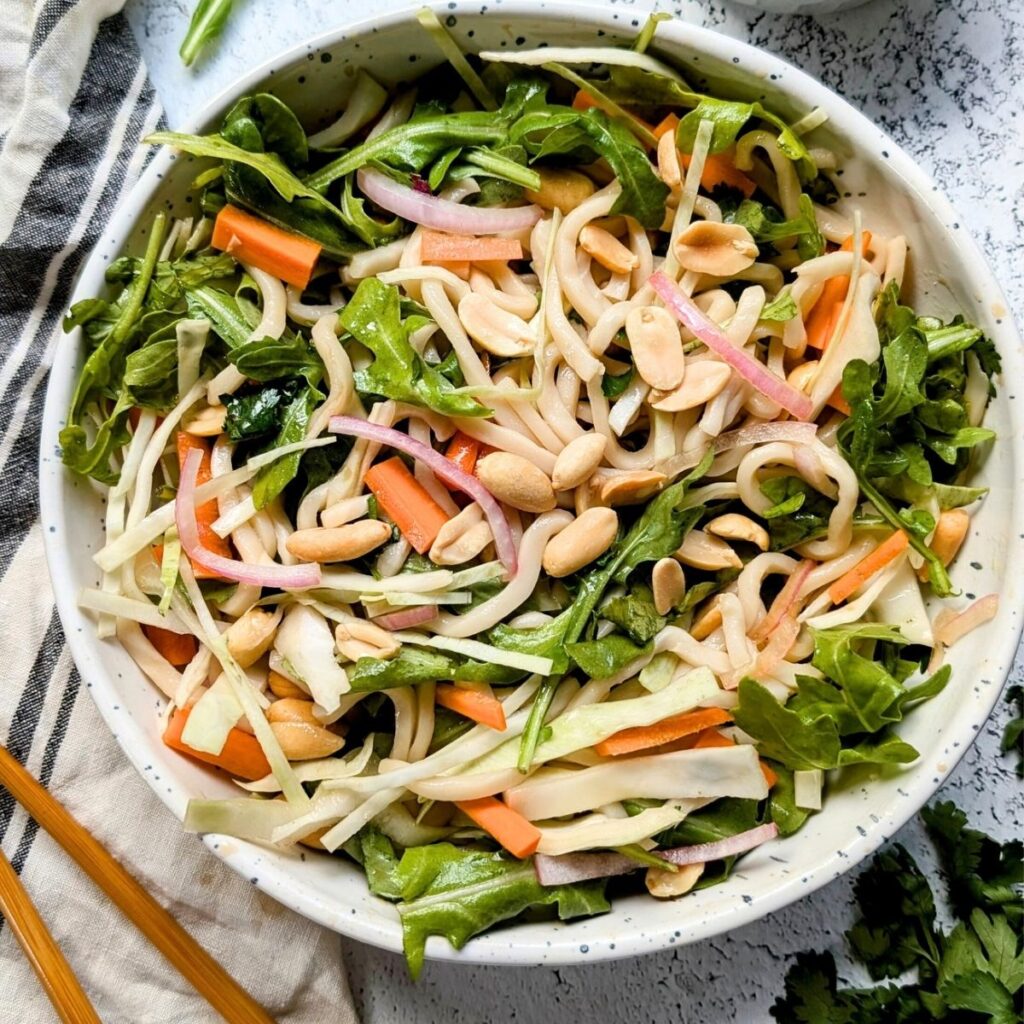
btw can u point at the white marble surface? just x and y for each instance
(946, 79)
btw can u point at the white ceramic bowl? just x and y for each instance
(948, 275)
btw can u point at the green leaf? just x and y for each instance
(811, 993)
(411, 666)
(267, 360)
(272, 480)
(459, 892)
(612, 386)
(982, 993)
(380, 864)
(782, 808)
(222, 310)
(253, 415)
(1014, 731)
(599, 659)
(781, 308)
(374, 318)
(634, 613)
(206, 26)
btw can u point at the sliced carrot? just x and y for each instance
(665, 731)
(207, 514)
(479, 705)
(669, 123)
(852, 580)
(253, 240)
(242, 755)
(517, 835)
(824, 315)
(440, 247)
(463, 451)
(407, 502)
(177, 648)
(838, 402)
(719, 168)
(714, 738)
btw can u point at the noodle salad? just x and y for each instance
(527, 480)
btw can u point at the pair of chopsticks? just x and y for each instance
(207, 976)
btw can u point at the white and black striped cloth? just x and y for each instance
(74, 103)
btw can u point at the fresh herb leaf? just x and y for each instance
(602, 658)
(1013, 734)
(635, 613)
(613, 385)
(206, 26)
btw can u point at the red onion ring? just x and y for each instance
(754, 373)
(407, 617)
(579, 867)
(444, 469)
(443, 214)
(784, 601)
(284, 577)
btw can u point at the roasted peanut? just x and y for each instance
(716, 248)
(733, 526)
(249, 637)
(656, 346)
(461, 538)
(668, 584)
(577, 461)
(668, 161)
(338, 543)
(516, 482)
(302, 742)
(207, 422)
(495, 329)
(583, 540)
(360, 639)
(607, 250)
(561, 189)
(708, 621)
(314, 837)
(949, 535)
(292, 709)
(702, 381)
(666, 885)
(282, 686)
(703, 551)
(629, 487)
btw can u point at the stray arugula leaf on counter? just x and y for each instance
(972, 973)
(845, 717)
(910, 421)
(374, 319)
(207, 25)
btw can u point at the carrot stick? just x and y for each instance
(665, 731)
(439, 247)
(479, 705)
(669, 123)
(407, 502)
(519, 836)
(850, 581)
(824, 315)
(838, 402)
(177, 648)
(280, 253)
(463, 450)
(719, 168)
(714, 738)
(241, 757)
(206, 515)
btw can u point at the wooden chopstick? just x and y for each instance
(207, 976)
(52, 970)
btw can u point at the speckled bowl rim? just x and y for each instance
(590, 939)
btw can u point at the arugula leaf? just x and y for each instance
(781, 308)
(798, 512)
(412, 665)
(255, 414)
(635, 613)
(374, 318)
(206, 25)
(273, 479)
(380, 863)
(767, 224)
(267, 360)
(223, 311)
(602, 658)
(782, 808)
(459, 892)
(612, 386)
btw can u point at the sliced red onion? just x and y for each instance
(950, 629)
(407, 617)
(284, 577)
(579, 867)
(781, 640)
(443, 214)
(445, 470)
(783, 602)
(765, 433)
(754, 373)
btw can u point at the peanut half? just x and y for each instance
(703, 380)
(668, 584)
(583, 540)
(360, 639)
(577, 461)
(713, 247)
(338, 543)
(561, 189)
(461, 538)
(656, 346)
(607, 250)
(516, 482)
(249, 637)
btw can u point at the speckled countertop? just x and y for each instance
(946, 79)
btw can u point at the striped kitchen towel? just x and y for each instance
(74, 103)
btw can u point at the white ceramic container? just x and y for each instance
(947, 275)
